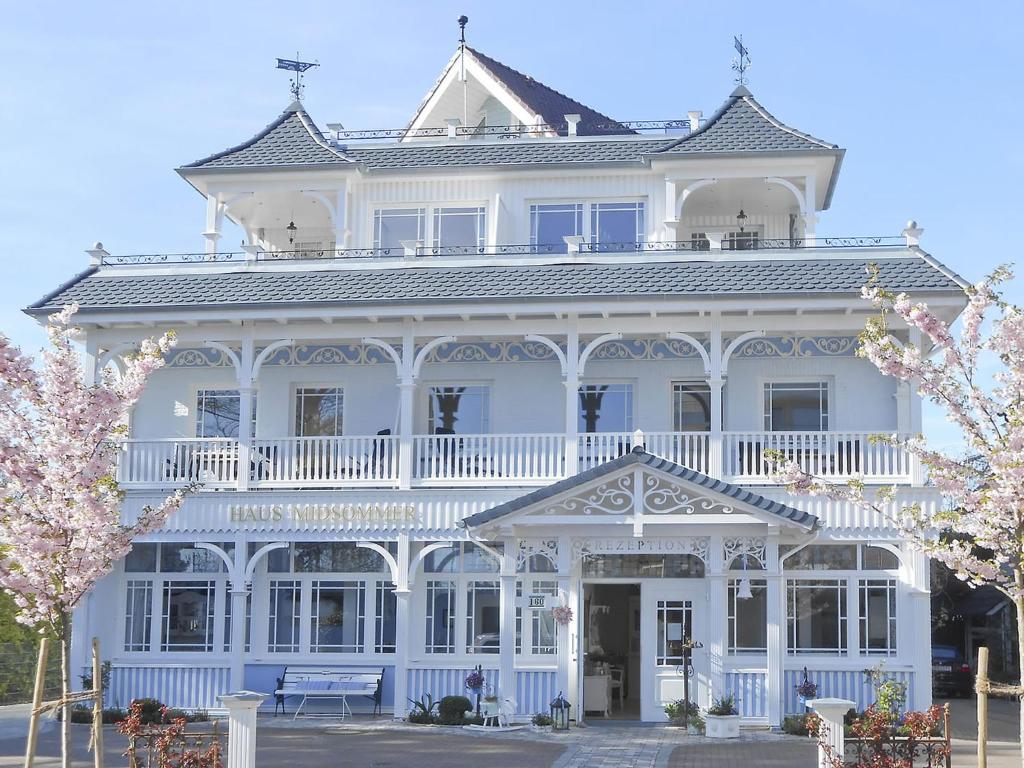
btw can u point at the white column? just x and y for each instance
(917, 613)
(563, 633)
(717, 383)
(238, 592)
(507, 628)
(214, 218)
(572, 388)
(241, 709)
(776, 656)
(403, 595)
(915, 416)
(809, 213)
(832, 712)
(671, 222)
(406, 401)
(717, 617)
(246, 393)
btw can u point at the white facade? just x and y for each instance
(483, 393)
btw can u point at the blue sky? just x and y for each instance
(101, 100)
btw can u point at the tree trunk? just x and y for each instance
(65, 690)
(1018, 603)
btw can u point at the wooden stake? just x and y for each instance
(981, 688)
(37, 702)
(97, 707)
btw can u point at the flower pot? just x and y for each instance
(722, 726)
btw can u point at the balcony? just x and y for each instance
(490, 460)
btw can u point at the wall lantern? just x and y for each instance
(560, 713)
(741, 219)
(292, 229)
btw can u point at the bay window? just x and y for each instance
(392, 226)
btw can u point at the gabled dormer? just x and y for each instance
(480, 92)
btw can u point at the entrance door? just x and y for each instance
(671, 614)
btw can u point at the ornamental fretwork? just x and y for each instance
(529, 548)
(751, 546)
(661, 497)
(612, 498)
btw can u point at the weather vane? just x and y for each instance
(298, 67)
(741, 63)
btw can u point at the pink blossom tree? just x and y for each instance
(60, 513)
(979, 531)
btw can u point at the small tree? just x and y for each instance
(60, 515)
(979, 532)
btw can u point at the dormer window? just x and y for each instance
(551, 224)
(459, 227)
(616, 226)
(392, 226)
(610, 227)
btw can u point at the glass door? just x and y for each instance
(672, 631)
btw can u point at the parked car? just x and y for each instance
(951, 674)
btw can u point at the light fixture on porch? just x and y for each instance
(292, 229)
(743, 591)
(741, 219)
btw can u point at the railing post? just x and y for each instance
(241, 709)
(831, 740)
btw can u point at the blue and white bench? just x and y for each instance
(329, 683)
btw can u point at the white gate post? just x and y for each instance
(832, 741)
(241, 709)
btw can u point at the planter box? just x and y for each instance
(722, 726)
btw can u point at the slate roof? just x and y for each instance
(545, 101)
(292, 139)
(640, 456)
(117, 289)
(743, 125)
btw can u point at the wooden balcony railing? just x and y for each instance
(491, 460)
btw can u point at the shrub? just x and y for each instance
(423, 710)
(82, 713)
(724, 706)
(685, 713)
(151, 711)
(452, 710)
(795, 725)
(542, 720)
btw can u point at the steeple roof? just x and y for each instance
(292, 139)
(741, 124)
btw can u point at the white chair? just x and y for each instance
(617, 674)
(597, 694)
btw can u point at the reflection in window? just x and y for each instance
(440, 617)
(605, 408)
(691, 407)
(458, 410)
(823, 557)
(748, 618)
(616, 227)
(391, 226)
(545, 639)
(337, 557)
(387, 609)
(338, 616)
(138, 615)
(675, 627)
(816, 616)
(877, 616)
(318, 411)
(795, 406)
(188, 616)
(483, 616)
(459, 227)
(217, 412)
(550, 224)
(878, 559)
(283, 635)
(188, 558)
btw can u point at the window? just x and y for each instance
(878, 559)
(440, 616)
(227, 622)
(691, 407)
(459, 227)
(748, 240)
(483, 616)
(318, 411)
(141, 558)
(543, 626)
(675, 626)
(463, 410)
(796, 406)
(338, 616)
(188, 558)
(283, 636)
(138, 615)
(823, 557)
(605, 408)
(616, 227)
(748, 618)
(384, 622)
(816, 616)
(188, 609)
(336, 557)
(643, 567)
(393, 225)
(877, 616)
(217, 412)
(550, 224)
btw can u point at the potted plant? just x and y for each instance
(806, 691)
(723, 719)
(541, 722)
(685, 715)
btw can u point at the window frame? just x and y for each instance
(585, 229)
(428, 224)
(825, 384)
(891, 587)
(672, 390)
(199, 389)
(732, 614)
(376, 209)
(297, 390)
(487, 412)
(630, 384)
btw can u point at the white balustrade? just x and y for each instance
(598, 447)
(325, 461)
(488, 459)
(212, 461)
(688, 449)
(822, 454)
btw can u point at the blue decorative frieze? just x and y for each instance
(203, 357)
(333, 354)
(790, 345)
(645, 349)
(491, 352)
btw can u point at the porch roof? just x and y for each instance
(640, 456)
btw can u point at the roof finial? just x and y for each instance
(463, 21)
(740, 64)
(298, 67)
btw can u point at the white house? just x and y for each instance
(515, 356)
